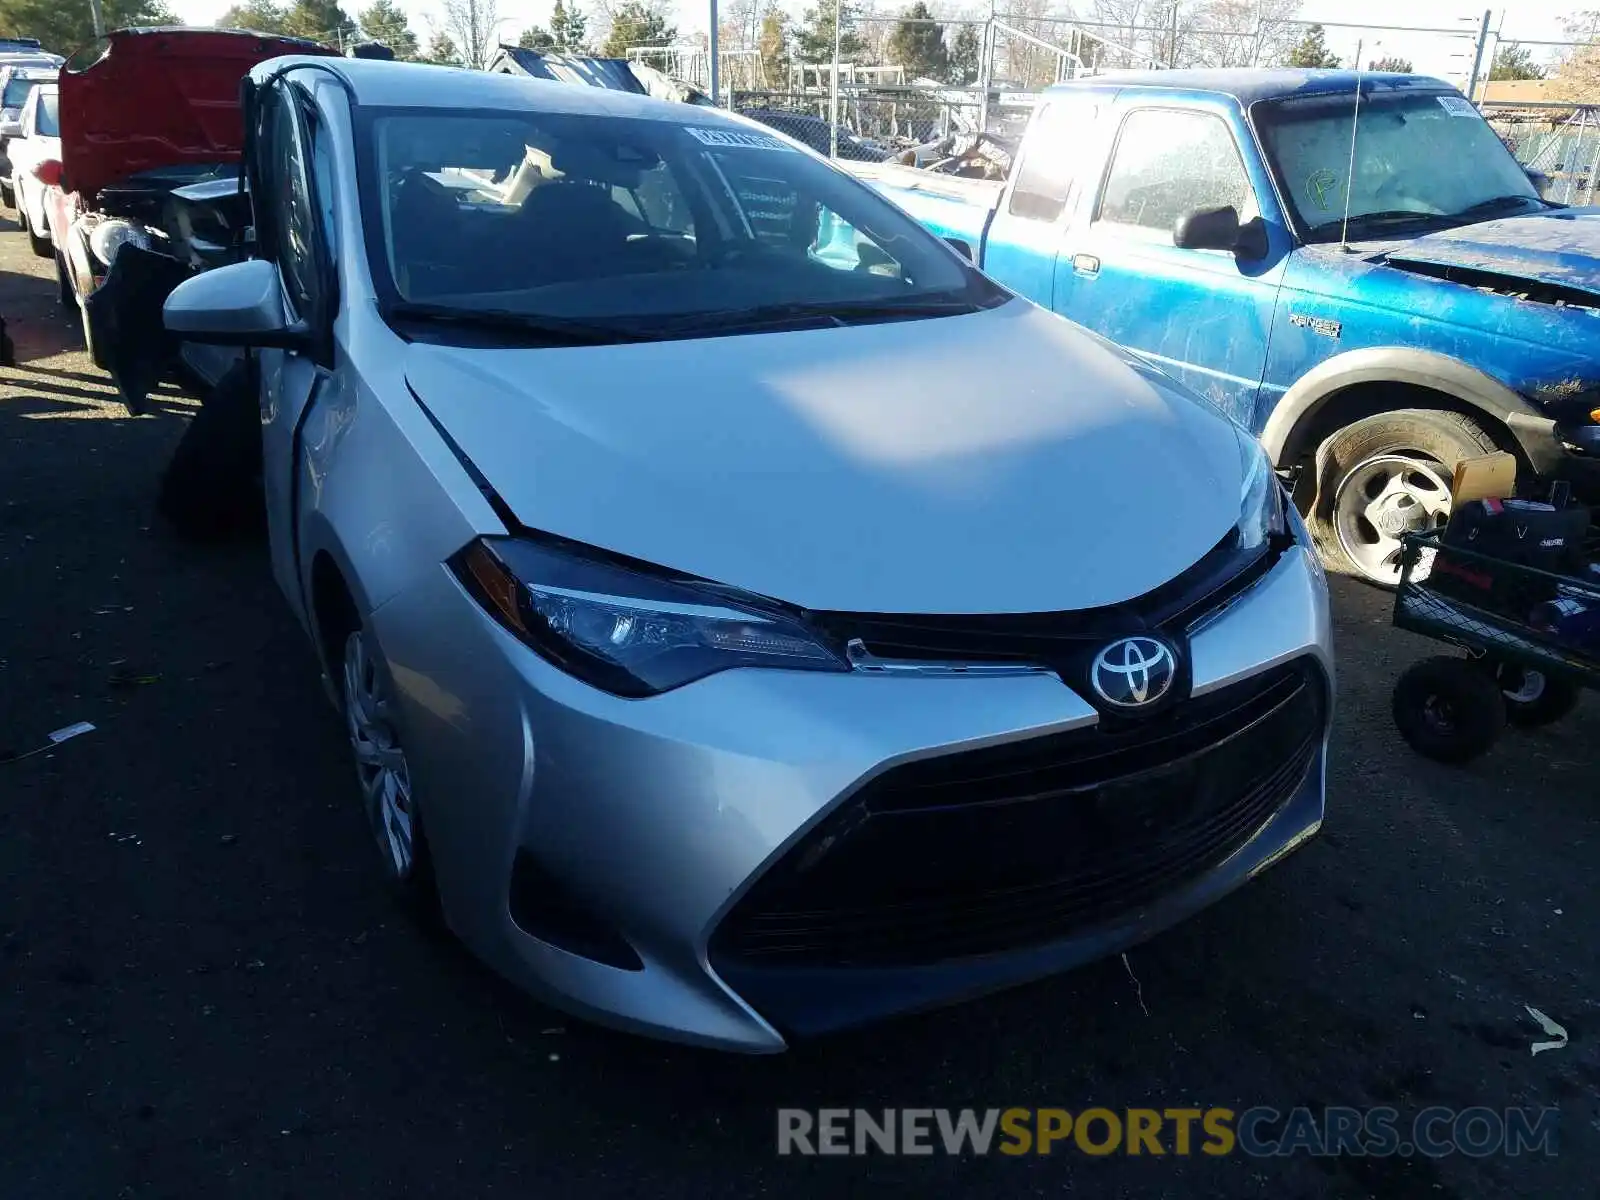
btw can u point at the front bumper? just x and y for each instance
(656, 817)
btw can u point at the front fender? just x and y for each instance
(1296, 411)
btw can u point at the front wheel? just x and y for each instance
(40, 245)
(1384, 477)
(1448, 709)
(384, 774)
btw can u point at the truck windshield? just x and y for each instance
(49, 119)
(647, 225)
(1421, 159)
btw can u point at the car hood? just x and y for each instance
(1004, 461)
(1560, 248)
(159, 98)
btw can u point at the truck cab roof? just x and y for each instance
(1250, 84)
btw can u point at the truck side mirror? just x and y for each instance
(1207, 229)
(48, 172)
(1541, 183)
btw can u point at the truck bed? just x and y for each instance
(947, 204)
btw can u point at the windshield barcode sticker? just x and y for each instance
(1457, 106)
(737, 138)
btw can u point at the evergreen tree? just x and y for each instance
(815, 37)
(917, 44)
(1312, 50)
(385, 21)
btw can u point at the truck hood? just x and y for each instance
(1005, 461)
(1560, 248)
(159, 98)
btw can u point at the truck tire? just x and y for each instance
(1448, 709)
(1383, 477)
(211, 489)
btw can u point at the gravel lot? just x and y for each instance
(206, 993)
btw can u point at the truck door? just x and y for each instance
(1025, 235)
(1204, 316)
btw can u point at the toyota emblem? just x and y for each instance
(1133, 672)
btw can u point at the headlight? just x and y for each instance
(1261, 499)
(106, 238)
(626, 632)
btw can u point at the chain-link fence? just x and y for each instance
(1558, 141)
(873, 124)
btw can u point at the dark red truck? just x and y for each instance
(147, 189)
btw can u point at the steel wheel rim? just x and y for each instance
(381, 767)
(1529, 687)
(1381, 500)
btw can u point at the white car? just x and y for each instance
(39, 142)
(18, 77)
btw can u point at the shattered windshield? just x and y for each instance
(1420, 159)
(614, 221)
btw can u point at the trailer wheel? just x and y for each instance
(1533, 698)
(1448, 709)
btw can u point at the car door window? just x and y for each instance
(1051, 158)
(1168, 162)
(294, 232)
(27, 113)
(321, 159)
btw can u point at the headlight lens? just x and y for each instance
(106, 238)
(624, 631)
(1261, 499)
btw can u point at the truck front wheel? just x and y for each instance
(1384, 477)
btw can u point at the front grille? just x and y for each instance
(1027, 843)
(1060, 640)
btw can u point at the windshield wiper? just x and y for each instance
(534, 326)
(1496, 202)
(837, 312)
(1379, 220)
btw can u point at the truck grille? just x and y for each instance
(1023, 844)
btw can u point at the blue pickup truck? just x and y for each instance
(1375, 308)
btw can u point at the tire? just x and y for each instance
(1448, 709)
(1384, 476)
(1533, 698)
(211, 488)
(8, 195)
(65, 294)
(42, 246)
(377, 745)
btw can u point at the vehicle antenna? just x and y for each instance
(1350, 175)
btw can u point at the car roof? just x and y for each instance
(383, 84)
(1250, 84)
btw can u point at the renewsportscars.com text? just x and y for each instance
(1259, 1132)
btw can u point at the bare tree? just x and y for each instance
(1241, 33)
(471, 26)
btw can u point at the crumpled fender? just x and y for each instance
(125, 315)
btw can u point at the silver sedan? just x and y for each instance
(748, 619)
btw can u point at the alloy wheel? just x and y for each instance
(381, 765)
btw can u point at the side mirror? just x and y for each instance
(240, 304)
(48, 172)
(1207, 229)
(1541, 183)
(961, 247)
